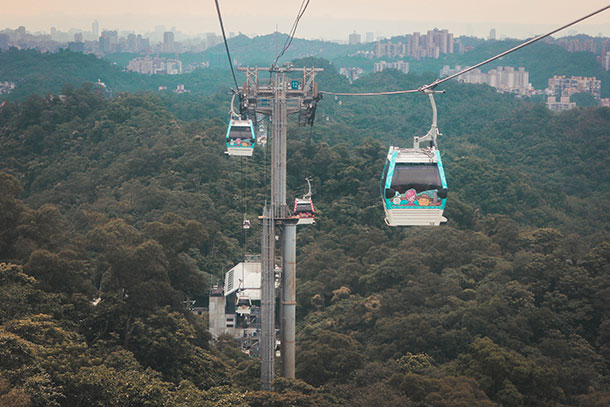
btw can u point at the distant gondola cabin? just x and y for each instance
(304, 210)
(240, 138)
(413, 187)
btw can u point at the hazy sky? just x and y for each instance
(330, 19)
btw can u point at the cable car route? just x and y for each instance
(224, 37)
(413, 184)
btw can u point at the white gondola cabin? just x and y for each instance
(243, 304)
(413, 183)
(414, 187)
(246, 224)
(240, 137)
(303, 207)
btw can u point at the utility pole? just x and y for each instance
(288, 91)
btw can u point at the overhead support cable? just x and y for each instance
(394, 92)
(293, 30)
(463, 71)
(224, 37)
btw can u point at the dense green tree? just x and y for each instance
(119, 210)
(329, 356)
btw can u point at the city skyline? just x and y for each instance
(517, 19)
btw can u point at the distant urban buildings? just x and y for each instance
(559, 105)
(155, 66)
(433, 44)
(583, 43)
(604, 56)
(365, 54)
(352, 73)
(168, 42)
(578, 45)
(370, 37)
(564, 86)
(390, 49)
(401, 66)
(606, 61)
(354, 38)
(191, 67)
(492, 34)
(180, 89)
(6, 87)
(21, 39)
(505, 79)
(108, 42)
(561, 88)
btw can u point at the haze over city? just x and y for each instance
(325, 20)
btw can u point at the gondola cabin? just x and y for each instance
(304, 210)
(240, 138)
(243, 304)
(413, 187)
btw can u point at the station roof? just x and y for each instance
(246, 277)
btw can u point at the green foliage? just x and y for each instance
(12, 397)
(115, 212)
(329, 356)
(583, 99)
(37, 73)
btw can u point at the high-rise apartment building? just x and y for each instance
(354, 38)
(95, 28)
(157, 65)
(557, 106)
(390, 49)
(401, 66)
(563, 86)
(605, 45)
(132, 43)
(77, 45)
(578, 45)
(504, 79)
(433, 44)
(370, 37)
(168, 42)
(108, 41)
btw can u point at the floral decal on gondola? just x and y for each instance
(412, 198)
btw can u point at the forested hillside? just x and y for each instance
(42, 73)
(115, 211)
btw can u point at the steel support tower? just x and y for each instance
(288, 91)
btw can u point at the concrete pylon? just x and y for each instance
(289, 299)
